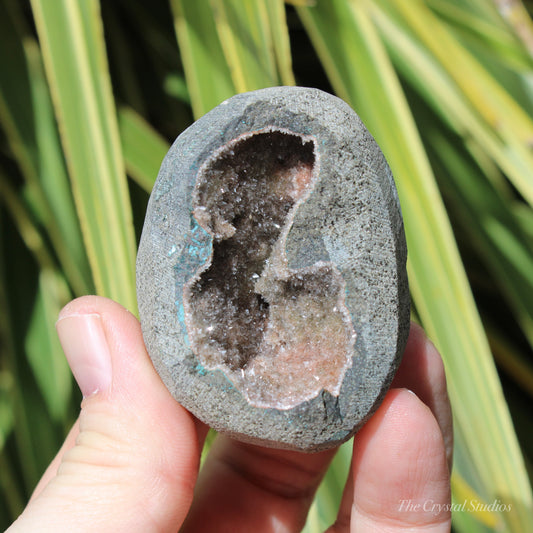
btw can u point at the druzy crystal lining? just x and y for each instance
(279, 335)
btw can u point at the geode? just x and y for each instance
(271, 273)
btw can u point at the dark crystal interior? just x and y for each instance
(279, 335)
(245, 199)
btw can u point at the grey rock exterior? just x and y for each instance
(345, 221)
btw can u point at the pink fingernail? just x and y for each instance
(85, 345)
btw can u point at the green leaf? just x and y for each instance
(247, 31)
(71, 37)
(472, 512)
(281, 41)
(16, 113)
(143, 148)
(360, 71)
(29, 124)
(14, 499)
(493, 231)
(61, 219)
(43, 350)
(503, 45)
(243, 46)
(33, 438)
(42, 346)
(466, 71)
(177, 87)
(483, 92)
(246, 40)
(432, 82)
(6, 407)
(511, 360)
(207, 74)
(325, 507)
(28, 231)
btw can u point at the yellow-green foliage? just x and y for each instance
(97, 94)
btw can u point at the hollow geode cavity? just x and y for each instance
(271, 270)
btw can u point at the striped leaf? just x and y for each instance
(360, 70)
(143, 148)
(71, 38)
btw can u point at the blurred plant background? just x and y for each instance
(92, 95)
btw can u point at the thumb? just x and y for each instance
(130, 463)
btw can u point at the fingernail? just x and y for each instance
(85, 345)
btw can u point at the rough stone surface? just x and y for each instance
(271, 270)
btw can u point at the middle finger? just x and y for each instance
(244, 487)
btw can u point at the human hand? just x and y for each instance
(130, 463)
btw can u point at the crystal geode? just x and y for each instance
(271, 270)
